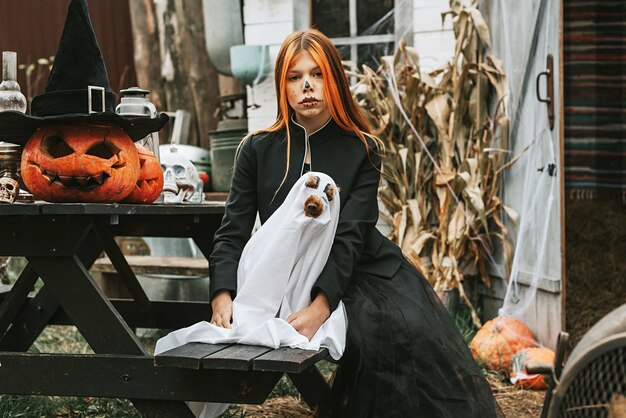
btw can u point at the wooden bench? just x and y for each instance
(106, 275)
(298, 364)
(4, 290)
(145, 264)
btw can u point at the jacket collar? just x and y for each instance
(323, 134)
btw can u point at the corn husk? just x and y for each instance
(446, 137)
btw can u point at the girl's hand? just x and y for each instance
(308, 320)
(222, 306)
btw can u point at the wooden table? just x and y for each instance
(61, 242)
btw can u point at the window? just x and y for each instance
(363, 30)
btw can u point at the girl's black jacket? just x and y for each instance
(259, 170)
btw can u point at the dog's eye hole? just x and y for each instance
(330, 191)
(312, 182)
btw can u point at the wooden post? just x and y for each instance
(171, 60)
(147, 52)
(170, 26)
(189, 79)
(202, 77)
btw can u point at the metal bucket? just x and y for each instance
(169, 286)
(224, 142)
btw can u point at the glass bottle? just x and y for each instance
(11, 98)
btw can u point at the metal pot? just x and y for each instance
(200, 157)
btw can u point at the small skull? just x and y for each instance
(9, 188)
(181, 180)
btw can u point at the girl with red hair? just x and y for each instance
(404, 356)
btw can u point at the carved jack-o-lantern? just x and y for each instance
(79, 163)
(150, 183)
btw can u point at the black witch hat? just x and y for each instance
(78, 89)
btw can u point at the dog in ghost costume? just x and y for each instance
(277, 269)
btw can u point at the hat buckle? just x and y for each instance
(90, 89)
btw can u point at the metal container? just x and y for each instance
(200, 157)
(135, 102)
(10, 159)
(250, 63)
(169, 286)
(224, 142)
(225, 30)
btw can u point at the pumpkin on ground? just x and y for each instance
(519, 376)
(80, 163)
(498, 339)
(150, 182)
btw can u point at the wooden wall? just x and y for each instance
(33, 28)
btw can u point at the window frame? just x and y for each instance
(403, 25)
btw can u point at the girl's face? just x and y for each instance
(305, 90)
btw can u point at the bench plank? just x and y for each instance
(235, 357)
(5, 289)
(289, 360)
(187, 356)
(123, 376)
(142, 264)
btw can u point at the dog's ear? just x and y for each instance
(330, 191)
(312, 182)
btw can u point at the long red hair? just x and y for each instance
(341, 105)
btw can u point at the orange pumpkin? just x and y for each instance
(519, 375)
(496, 342)
(150, 182)
(80, 163)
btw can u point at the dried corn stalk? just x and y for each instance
(446, 134)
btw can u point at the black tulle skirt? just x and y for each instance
(404, 356)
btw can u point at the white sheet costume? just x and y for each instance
(278, 267)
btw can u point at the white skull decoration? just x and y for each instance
(181, 180)
(9, 188)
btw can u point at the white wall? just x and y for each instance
(433, 41)
(268, 22)
(533, 194)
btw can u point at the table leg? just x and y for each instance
(162, 409)
(14, 301)
(125, 272)
(311, 384)
(97, 320)
(32, 319)
(33, 316)
(82, 299)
